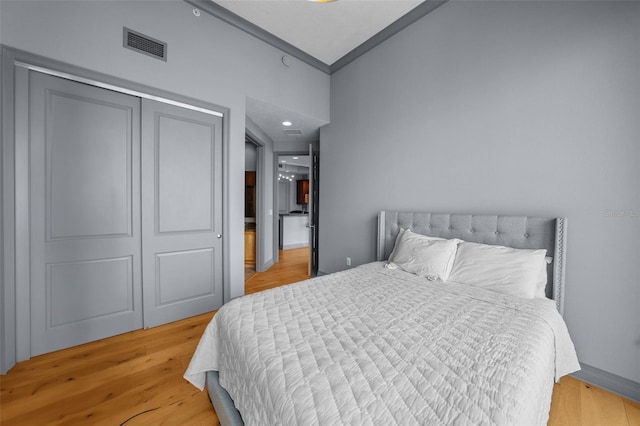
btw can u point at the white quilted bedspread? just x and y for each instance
(372, 346)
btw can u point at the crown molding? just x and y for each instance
(237, 21)
(389, 31)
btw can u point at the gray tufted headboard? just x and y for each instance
(525, 232)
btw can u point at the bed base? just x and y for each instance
(227, 413)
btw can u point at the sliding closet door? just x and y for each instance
(181, 212)
(84, 160)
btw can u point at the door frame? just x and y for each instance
(15, 276)
(276, 190)
(250, 137)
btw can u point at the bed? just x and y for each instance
(383, 344)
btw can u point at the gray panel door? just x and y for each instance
(181, 212)
(85, 232)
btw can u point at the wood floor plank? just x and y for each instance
(42, 379)
(566, 403)
(632, 409)
(136, 378)
(600, 407)
(89, 371)
(92, 380)
(196, 409)
(293, 267)
(156, 398)
(108, 391)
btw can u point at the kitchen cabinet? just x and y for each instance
(302, 192)
(249, 194)
(293, 231)
(249, 247)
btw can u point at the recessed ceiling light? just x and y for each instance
(287, 123)
(283, 161)
(295, 158)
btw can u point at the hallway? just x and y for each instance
(292, 267)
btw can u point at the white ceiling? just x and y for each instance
(269, 118)
(295, 160)
(326, 31)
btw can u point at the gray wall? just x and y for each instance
(250, 157)
(207, 60)
(508, 108)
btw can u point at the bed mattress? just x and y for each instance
(373, 346)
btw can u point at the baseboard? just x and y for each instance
(266, 266)
(608, 381)
(294, 246)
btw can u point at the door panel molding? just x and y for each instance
(59, 171)
(179, 157)
(63, 310)
(172, 289)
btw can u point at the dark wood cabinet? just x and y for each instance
(250, 178)
(303, 192)
(249, 194)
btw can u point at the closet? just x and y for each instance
(125, 212)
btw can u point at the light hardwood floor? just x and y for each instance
(292, 267)
(136, 378)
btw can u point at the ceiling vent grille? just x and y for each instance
(141, 43)
(292, 132)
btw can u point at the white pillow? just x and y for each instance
(395, 245)
(426, 237)
(425, 256)
(541, 290)
(502, 269)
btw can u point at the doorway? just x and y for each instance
(295, 189)
(250, 207)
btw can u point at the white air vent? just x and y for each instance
(292, 132)
(144, 44)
